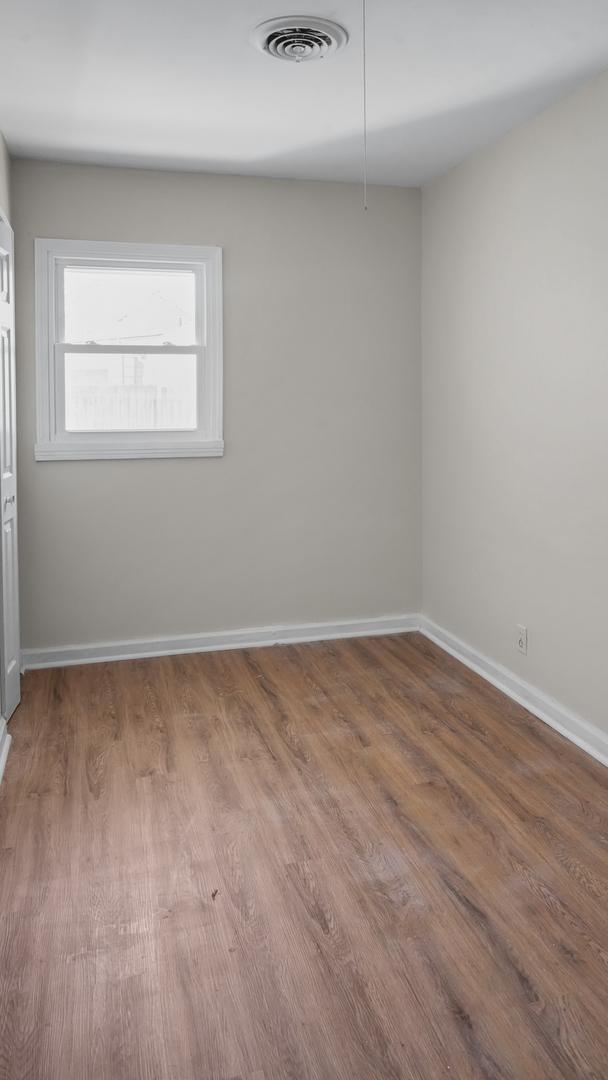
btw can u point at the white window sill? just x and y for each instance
(91, 452)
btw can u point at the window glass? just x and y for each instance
(111, 392)
(129, 306)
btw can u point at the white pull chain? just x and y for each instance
(364, 29)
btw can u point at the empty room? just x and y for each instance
(304, 546)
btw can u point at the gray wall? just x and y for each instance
(313, 514)
(515, 393)
(4, 179)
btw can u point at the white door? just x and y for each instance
(10, 681)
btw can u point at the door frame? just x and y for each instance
(5, 737)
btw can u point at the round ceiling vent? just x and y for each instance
(299, 38)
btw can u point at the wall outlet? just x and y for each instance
(522, 639)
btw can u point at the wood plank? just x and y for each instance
(352, 860)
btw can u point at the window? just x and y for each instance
(129, 350)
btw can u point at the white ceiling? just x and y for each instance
(178, 84)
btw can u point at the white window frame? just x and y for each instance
(53, 442)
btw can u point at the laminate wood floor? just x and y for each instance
(343, 861)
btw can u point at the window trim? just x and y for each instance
(53, 443)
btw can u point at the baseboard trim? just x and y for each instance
(584, 734)
(68, 655)
(5, 742)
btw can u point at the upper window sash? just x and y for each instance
(197, 268)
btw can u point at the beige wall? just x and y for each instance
(313, 513)
(5, 201)
(515, 400)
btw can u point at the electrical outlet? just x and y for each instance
(522, 639)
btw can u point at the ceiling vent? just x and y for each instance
(299, 37)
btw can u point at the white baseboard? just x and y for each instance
(587, 736)
(5, 742)
(67, 655)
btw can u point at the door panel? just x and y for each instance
(7, 391)
(10, 688)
